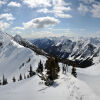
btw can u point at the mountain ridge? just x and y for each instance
(70, 48)
(15, 56)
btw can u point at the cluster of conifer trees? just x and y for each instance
(4, 82)
(31, 73)
(52, 69)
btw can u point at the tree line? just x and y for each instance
(51, 68)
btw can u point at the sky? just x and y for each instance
(44, 18)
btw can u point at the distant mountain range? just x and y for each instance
(86, 50)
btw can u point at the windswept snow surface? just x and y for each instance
(65, 88)
(91, 76)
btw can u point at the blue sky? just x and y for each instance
(43, 18)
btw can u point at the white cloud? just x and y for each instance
(60, 11)
(42, 34)
(7, 16)
(96, 10)
(97, 33)
(14, 4)
(57, 7)
(18, 28)
(41, 22)
(44, 10)
(88, 1)
(62, 15)
(83, 8)
(60, 2)
(4, 25)
(37, 3)
(2, 3)
(62, 8)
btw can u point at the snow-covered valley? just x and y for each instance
(14, 59)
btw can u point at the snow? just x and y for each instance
(66, 87)
(77, 47)
(18, 37)
(13, 55)
(91, 76)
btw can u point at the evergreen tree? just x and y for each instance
(4, 80)
(52, 68)
(28, 76)
(40, 67)
(20, 77)
(67, 67)
(63, 68)
(24, 76)
(28, 60)
(14, 80)
(0, 82)
(74, 69)
(31, 72)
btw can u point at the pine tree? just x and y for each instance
(14, 80)
(67, 67)
(74, 69)
(24, 76)
(74, 72)
(40, 67)
(52, 68)
(28, 60)
(4, 80)
(64, 68)
(0, 82)
(28, 76)
(31, 72)
(20, 77)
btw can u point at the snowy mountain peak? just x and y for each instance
(18, 37)
(71, 48)
(28, 44)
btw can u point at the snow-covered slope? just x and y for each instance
(66, 88)
(28, 44)
(71, 47)
(14, 57)
(91, 76)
